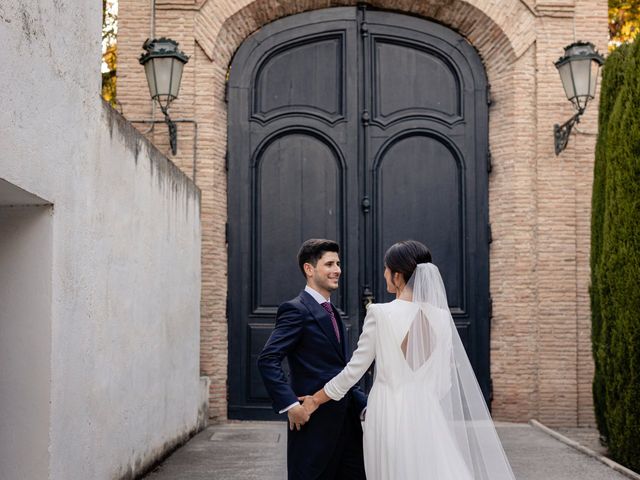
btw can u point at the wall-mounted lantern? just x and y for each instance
(163, 64)
(578, 70)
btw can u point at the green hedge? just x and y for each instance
(612, 81)
(616, 258)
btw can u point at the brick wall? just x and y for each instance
(539, 203)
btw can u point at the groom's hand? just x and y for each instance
(298, 416)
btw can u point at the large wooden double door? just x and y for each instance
(362, 126)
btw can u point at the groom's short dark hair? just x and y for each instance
(313, 249)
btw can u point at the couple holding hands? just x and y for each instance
(425, 417)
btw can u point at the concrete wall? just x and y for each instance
(539, 203)
(123, 234)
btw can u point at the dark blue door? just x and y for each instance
(363, 126)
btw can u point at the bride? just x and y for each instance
(426, 417)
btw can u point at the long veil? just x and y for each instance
(433, 338)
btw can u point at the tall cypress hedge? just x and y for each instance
(612, 82)
(617, 272)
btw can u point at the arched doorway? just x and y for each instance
(367, 127)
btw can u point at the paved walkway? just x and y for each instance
(256, 450)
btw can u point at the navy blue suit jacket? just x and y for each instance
(304, 335)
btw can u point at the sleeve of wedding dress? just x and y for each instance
(360, 361)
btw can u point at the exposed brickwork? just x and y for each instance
(513, 211)
(539, 204)
(589, 17)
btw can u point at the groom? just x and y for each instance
(310, 334)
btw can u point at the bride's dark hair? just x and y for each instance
(403, 257)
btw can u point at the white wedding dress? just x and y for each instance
(426, 418)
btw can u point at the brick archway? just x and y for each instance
(500, 33)
(502, 36)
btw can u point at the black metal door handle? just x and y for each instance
(367, 297)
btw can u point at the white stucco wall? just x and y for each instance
(25, 340)
(125, 250)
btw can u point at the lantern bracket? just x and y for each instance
(562, 132)
(173, 130)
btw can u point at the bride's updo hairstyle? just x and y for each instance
(403, 257)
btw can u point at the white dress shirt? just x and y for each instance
(317, 296)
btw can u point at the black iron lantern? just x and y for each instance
(578, 70)
(163, 64)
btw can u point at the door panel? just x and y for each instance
(420, 196)
(412, 78)
(302, 76)
(304, 203)
(362, 126)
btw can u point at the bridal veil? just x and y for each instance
(433, 339)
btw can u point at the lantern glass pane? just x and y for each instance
(176, 77)
(151, 78)
(595, 67)
(567, 82)
(581, 76)
(163, 74)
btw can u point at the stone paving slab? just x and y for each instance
(229, 451)
(534, 455)
(256, 450)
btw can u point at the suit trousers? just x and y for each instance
(347, 461)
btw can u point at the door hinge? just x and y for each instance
(489, 162)
(366, 205)
(490, 308)
(489, 234)
(226, 161)
(364, 29)
(489, 99)
(226, 233)
(227, 307)
(226, 85)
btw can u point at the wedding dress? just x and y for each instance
(426, 417)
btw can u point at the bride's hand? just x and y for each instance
(309, 403)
